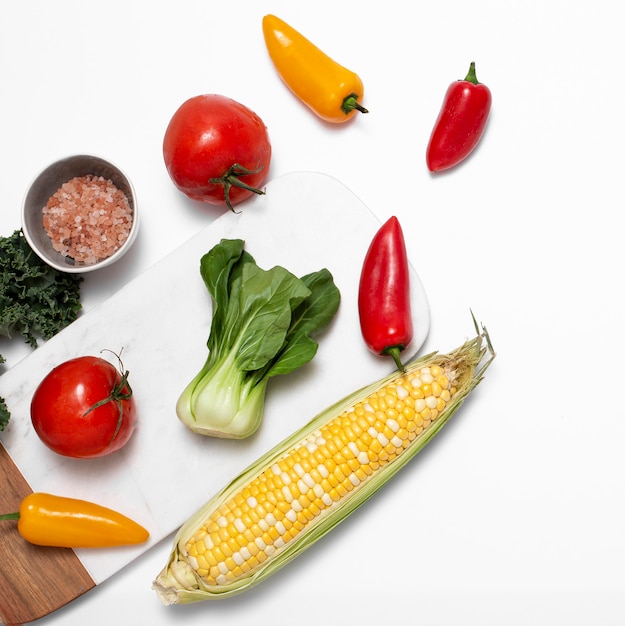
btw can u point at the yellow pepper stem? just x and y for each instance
(351, 103)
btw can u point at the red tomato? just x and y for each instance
(84, 408)
(216, 150)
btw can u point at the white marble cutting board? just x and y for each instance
(161, 319)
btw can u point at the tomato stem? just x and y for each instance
(232, 179)
(6, 516)
(471, 77)
(117, 395)
(351, 102)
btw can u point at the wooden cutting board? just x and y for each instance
(161, 320)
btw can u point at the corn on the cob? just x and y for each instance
(311, 481)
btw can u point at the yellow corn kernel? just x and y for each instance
(372, 403)
(436, 370)
(442, 380)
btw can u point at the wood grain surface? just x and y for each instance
(34, 580)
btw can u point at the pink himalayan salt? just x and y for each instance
(88, 219)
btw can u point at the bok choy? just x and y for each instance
(262, 326)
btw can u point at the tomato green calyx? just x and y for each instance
(394, 351)
(232, 179)
(471, 77)
(120, 392)
(350, 103)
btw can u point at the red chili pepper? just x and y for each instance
(460, 123)
(384, 293)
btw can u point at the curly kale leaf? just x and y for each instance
(4, 414)
(4, 409)
(36, 301)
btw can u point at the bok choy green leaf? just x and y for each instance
(262, 326)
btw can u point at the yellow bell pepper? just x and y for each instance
(48, 520)
(329, 89)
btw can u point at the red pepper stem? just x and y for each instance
(394, 351)
(471, 77)
(9, 516)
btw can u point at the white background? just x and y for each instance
(515, 515)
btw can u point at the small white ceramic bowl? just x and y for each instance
(46, 184)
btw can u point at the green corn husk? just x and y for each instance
(178, 583)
